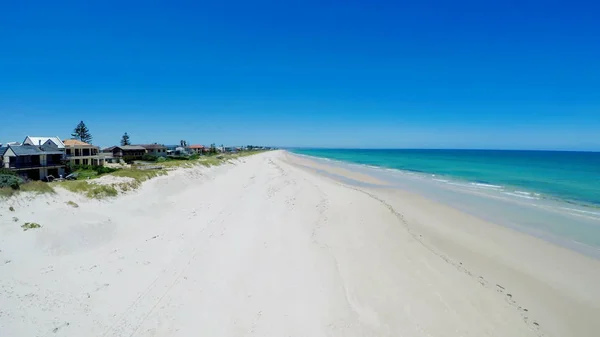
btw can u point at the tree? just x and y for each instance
(82, 133)
(125, 140)
(212, 149)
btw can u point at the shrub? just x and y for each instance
(97, 169)
(11, 181)
(161, 159)
(149, 157)
(180, 157)
(130, 159)
(36, 187)
(105, 169)
(30, 225)
(90, 190)
(194, 156)
(7, 172)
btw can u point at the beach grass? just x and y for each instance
(6, 192)
(30, 225)
(139, 175)
(38, 187)
(86, 174)
(92, 191)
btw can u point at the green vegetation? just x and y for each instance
(30, 225)
(72, 204)
(4, 171)
(10, 181)
(37, 187)
(139, 175)
(149, 157)
(125, 140)
(6, 192)
(85, 172)
(93, 191)
(98, 191)
(82, 133)
(13, 184)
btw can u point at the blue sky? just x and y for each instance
(417, 74)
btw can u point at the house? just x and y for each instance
(155, 149)
(81, 153)
(197, 149)
(131, 151)
(33, 162)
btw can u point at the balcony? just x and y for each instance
(22, 166)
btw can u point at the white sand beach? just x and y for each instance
(269, 246)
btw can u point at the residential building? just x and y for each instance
(197, 149)
(82, 153)
(155, 149)
(33, 162)
(132, 151)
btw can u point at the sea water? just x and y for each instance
(552, 195)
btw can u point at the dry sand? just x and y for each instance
(268, 247)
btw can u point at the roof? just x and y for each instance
(3, 150)
(42, 140)
(75, 142)
(30, 150)
(153, 146)
(196, 146)
(131, 147)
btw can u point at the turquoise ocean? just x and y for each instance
(551, 194)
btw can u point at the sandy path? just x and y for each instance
(259, 248)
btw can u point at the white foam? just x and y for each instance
(520, 195)
(523, 193)
(581, 211)
(486, 185)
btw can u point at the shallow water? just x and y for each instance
(569, 176)
(574, 225)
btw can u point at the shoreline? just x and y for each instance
(515, 264)
(516, 191)
(271, 246)
(555, 221)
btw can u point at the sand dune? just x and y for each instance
(269, 247)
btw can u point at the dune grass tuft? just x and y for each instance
(36, 187)
(30, 225)
(93, 191)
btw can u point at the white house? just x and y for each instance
(48, 141)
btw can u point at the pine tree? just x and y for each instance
(82, 133)
(125, 140)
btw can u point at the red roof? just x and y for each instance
(196, 146)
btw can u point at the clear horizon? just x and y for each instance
(324, 74)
